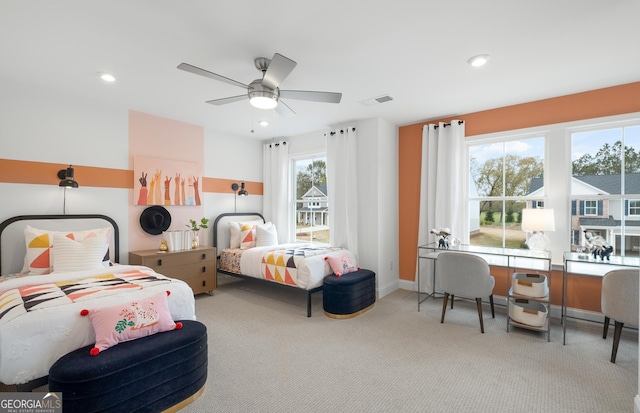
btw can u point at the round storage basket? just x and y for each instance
(531, 285)
(528, 312)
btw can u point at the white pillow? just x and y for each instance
(266, 236)
(84, 254)
(234, 231)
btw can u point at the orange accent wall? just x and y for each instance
(610, 101)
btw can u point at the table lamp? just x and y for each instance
(537, 221)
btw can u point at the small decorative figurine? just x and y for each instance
(443, 234)
(599, 246)
(163, 246)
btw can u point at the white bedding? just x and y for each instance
(310, 272)
(33, 341)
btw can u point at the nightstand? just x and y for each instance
(196, 267)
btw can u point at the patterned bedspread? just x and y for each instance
(282, 265)
(17, 301)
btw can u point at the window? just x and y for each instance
(592, 178)
(310, 199)
(591, 207)
(505, 177)
(605, 182)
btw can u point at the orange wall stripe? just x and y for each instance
(610, 101)
(29, 172)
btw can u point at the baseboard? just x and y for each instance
(636, 404)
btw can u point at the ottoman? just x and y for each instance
(350, 294)
(150, 374)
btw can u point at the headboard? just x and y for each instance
(221, 227)
(12, 240)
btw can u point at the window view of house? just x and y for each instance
(605, 188)
(500, 187)
(311, 200)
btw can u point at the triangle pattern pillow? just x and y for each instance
(40, 247)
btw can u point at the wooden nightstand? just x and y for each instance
(196, 267)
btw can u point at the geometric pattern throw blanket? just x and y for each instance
(20, 300)
(282, 265)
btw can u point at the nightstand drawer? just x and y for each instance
(196, 267)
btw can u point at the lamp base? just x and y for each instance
(538, 242)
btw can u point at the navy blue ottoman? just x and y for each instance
(350, 294)
(150, 374)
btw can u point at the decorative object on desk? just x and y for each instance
(443, 235)
(163, 246)
(598, 246)
(155, 219)
(583, 253)
(538, 221)
(195, 227)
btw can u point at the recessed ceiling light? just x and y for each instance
(479, 60)
(107, 77)
(264, 123)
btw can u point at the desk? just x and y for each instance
(511, 258)
(588, 267)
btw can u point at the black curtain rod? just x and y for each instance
(342, 131)
(460, 122)
(271, 145)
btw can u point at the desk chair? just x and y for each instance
(465, 275)
(619, 302)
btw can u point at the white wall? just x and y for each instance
(377, 176)
(38, 125)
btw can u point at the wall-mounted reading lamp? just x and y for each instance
(66, 178)
(241, 192)
(66, 181)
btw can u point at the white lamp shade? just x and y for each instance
(538, 219)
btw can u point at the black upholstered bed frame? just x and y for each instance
(221, 241)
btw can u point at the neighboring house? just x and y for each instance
(315, 207)
(602, 217)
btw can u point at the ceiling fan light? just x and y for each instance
(264, 102)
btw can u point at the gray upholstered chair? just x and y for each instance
(467, 276)
(619, 303)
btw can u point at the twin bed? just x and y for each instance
(295, 265)
(43, 289)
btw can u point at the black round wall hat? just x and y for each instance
(155, 219)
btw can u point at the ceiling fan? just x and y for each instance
(265, 93)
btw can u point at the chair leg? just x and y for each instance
(493, 311)
(616, 340)
(452, 301)
(444, 306)
(606, 327)
(479, 303)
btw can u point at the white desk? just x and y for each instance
(588, 267)
(511, 258)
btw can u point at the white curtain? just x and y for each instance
(275, 206)
(443, 188)
(342, 188)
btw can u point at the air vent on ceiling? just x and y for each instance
(377, 100)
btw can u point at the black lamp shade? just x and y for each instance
(66, 178)
(242, 191)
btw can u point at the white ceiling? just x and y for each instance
(416, 51)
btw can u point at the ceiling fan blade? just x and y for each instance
(193, 69)
(224, 101)
(278, 70)
(284, 110)
(326, 97)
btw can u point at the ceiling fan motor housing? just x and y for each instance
(258, 90)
